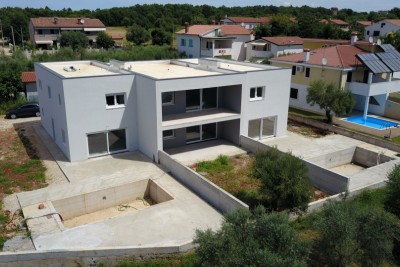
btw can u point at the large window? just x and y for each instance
(168, 98)
(198, 99)
(256, 93)
(115, 100)
(106, 142)
(201, 133)
(294, 93)
(168, 134)
(262, 128)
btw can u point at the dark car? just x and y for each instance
(24, 110)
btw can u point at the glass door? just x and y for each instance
(106, 142)
(193, 99)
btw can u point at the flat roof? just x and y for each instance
(71, 69)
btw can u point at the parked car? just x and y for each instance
(25, 110)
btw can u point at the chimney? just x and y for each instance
(55, 20)
(306, 54)
(213, 22)
(354, 38)
(221, 22)
(186, 27)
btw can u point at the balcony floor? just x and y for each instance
(198, 117)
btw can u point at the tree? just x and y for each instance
(252, 239)
(137, 34)
(104, 40)
(160, 37)
(392, 201)
(75, 40)
(392, 38)
(284, 179)
(352, 235)
(330, 98)
(264, 30)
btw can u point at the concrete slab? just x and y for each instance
(208, 150)
(169, 223)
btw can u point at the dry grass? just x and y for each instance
(117, 30)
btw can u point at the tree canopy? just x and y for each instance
(137, 34)
(75, 40)
(104, 40)
(330, 98)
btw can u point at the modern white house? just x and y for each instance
(45, 32)
(91, 108)
(226, 41)
(275, 46)
(381, 28)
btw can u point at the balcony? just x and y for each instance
(208, 52)
(376, 88)
(48, 38)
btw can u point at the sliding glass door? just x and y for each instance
(201, 133)
(262, 128)
(105, 143)
(199, 99)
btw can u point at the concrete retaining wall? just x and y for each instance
(321, 178)
(369, 158)
(82, 257)
(334, 159)
(345, 132)
(209, 192)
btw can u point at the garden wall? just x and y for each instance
(209, 192)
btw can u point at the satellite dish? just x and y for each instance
(379, 42)
(324, 61)
(371, 39)
(82, 21)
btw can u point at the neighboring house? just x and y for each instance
(341, 24)
(267, 47)
(158, 105)
(381, 29)
(45, 32)
(315, 43)
(248, 23)
(29, 82)
(214, 41)
(349, 68)
(363, 23)
(118, 39)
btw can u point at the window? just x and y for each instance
(183, 42)
(40, 31)
(198, 99)
(376, 33)
(383, 24)
(49, 91)
(294, 93)
(308, 70)
(168, 134)
(256, 93)
(168, 98)
(201, 133)
(190, 43)
(367, 32)
(267, 47)
(116, 100)
(349, 76)
(107, 142)
(208, 44)
(262, 128)
(373, 101)
(52, 31)
(293, 70)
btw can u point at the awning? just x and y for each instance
(44, 42)
(94, 29)
(258, 44)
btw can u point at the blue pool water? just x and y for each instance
(372, 122)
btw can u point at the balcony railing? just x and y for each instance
(377, 88)
(208, 52)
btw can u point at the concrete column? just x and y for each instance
(213, 47)
(366, 107)
(389, 77)
(370, 74)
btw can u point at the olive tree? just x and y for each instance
(285, 183)
(392, 201)
(252, 239)
(330, 98)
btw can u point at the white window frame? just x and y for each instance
(256, 97)
(116, 105)
(108, 143)
(172, 102)
(172, 136)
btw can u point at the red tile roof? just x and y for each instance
(66, 23)
(338, 22)
(249, 20)
(116, 36)
(395, 22)
(365, 22)
(198, 29)
(234, 30)
(284, 40)
(341, 56)
(28, 77)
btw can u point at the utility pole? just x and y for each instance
(22, 39)
(12, 33)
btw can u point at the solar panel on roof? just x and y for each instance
(390, 48)
(390, 59)
(373, 63)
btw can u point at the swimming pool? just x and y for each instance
(372, 122)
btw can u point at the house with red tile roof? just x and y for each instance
(343, 25)
(381, 29)
(267, 47)
(45, 32)
(366, 75)
(364, 23)
(247, 22)
(28, 80)
(214, 41)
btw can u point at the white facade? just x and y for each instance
(380, 29)
(101, 109)
(263, 49)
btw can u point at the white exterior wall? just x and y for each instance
(286, 49)
(191, 52)
(238, 46)
(383, 30)
(50, 108)
(301, 101)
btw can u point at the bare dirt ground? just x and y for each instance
(306, 130)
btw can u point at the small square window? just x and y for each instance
(115, 101)
(110, 100)
(168, 134)
(256, 93)
(167, 98)
(120, 99)
(294, 93)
